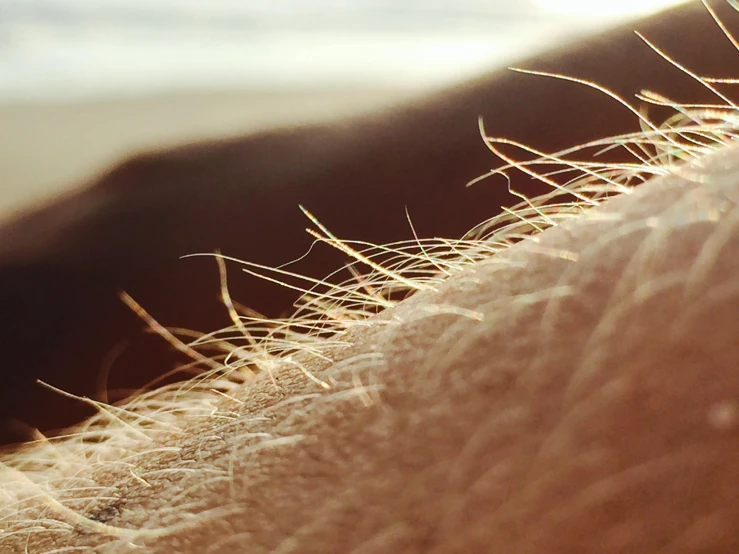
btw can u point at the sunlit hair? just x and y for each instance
(50, 486)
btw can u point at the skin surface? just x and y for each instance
(62, 265)
(582, 398)
(582, 403)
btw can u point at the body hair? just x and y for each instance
(249, 380)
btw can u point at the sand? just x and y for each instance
(47, 149)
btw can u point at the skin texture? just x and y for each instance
(581, 398)
(62, 265)
(585, 402)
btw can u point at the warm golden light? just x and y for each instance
(595, 8)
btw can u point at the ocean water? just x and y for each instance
(75, 49)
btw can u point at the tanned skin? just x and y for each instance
(590, 403)
(581, 395)
(63, 265)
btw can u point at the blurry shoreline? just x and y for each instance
(84, 84)
(47, 149)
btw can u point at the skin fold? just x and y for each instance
(581, 396)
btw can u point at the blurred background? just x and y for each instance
(86, 82)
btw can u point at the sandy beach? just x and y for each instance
(80, 92)
(46, 149)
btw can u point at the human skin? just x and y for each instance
(63, 265)
(579, 397)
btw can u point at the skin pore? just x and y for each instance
(571, 392)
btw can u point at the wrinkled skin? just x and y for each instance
(601, 420)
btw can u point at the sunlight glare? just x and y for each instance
(601, 9)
